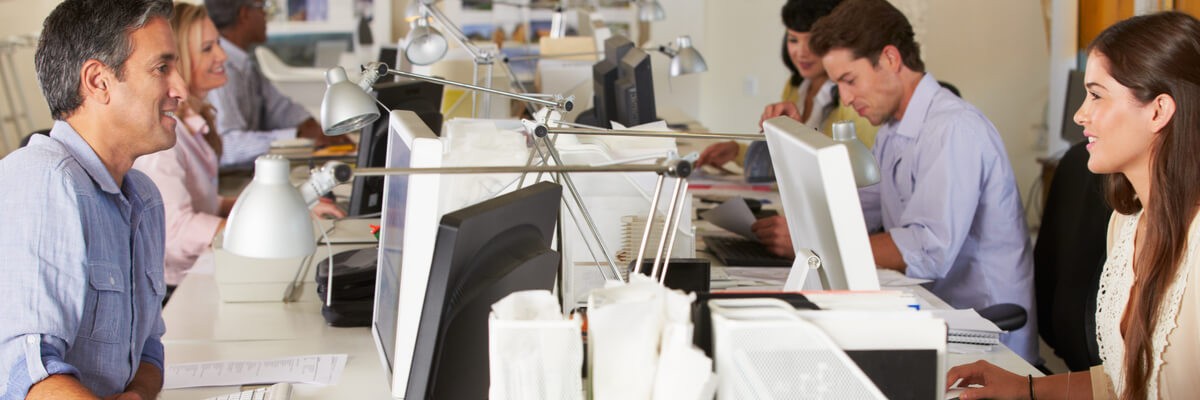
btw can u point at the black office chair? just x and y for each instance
(25, 140)
(1068, 259)
(950, 86)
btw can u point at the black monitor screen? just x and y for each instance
(1072, 132)
(423, 98)
(483, 253)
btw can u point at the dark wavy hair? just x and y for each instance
(844, 28)
(799, 16)
(1153, 55)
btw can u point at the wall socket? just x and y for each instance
(750, 86)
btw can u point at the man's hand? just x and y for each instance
(125, 396)
(312, 130)
(781, 108)
(718, 154)
(773, 233)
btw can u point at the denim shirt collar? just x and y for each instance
(918, 107)
(85, 155)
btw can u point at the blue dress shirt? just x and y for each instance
(950, 201)
(83, 268)
(251, 112)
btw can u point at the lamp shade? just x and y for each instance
(686, 59)
(269, 219)
(425, 44)
(866, 169)
(650, 10)
(345, 107)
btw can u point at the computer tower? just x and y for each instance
(604, 80)
(635, 90)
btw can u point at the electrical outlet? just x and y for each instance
(750, 86)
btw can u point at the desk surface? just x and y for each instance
(202, 328)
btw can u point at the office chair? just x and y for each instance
(950, 86)
(1068, 258)
(25, 140)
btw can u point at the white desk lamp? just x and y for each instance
(650, 11)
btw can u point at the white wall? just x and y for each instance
(19, 17)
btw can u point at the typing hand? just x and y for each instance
(325, 209)
(125, 396)
(995, 381)
(773, 233)
(718, 154)
(781, 108)
(312, 130)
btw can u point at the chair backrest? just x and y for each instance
(1068, 258)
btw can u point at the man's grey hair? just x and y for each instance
(81, 30)
(224, 13)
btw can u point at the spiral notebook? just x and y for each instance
(966, 326)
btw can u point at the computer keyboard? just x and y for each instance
(278, 391)
(739, 252)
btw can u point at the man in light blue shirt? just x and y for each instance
(251, 112)
(83, 234)
(947, 207)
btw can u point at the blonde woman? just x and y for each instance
(186, 174)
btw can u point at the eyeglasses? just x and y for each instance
(268, 6)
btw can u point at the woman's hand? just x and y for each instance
(782, 108)
(997, 383)
(718, 154)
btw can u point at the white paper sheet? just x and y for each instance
(733, 215)
(324, 369)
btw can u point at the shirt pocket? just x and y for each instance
(105, 316)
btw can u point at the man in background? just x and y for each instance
(947, 207)
(251, 112)
(83, 233)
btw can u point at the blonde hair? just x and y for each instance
(188, 16)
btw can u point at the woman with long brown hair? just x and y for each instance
(1142, 121)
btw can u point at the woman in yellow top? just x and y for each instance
(810, 96)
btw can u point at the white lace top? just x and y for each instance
(1176, 353)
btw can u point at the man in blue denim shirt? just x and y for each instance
(83, 233)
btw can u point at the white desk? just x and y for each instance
(202, 328)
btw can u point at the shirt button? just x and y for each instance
(112, 281)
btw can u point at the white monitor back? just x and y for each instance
(409, 226)
(408, 237)
(820, 200)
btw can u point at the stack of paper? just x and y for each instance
(967, 327)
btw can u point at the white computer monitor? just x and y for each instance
(412, 207)
(820, 200)
(409, 221)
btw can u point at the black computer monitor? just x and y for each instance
(604, 80)
(483, 253)
(1072, 132)
(423, 98)
(635, 90)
